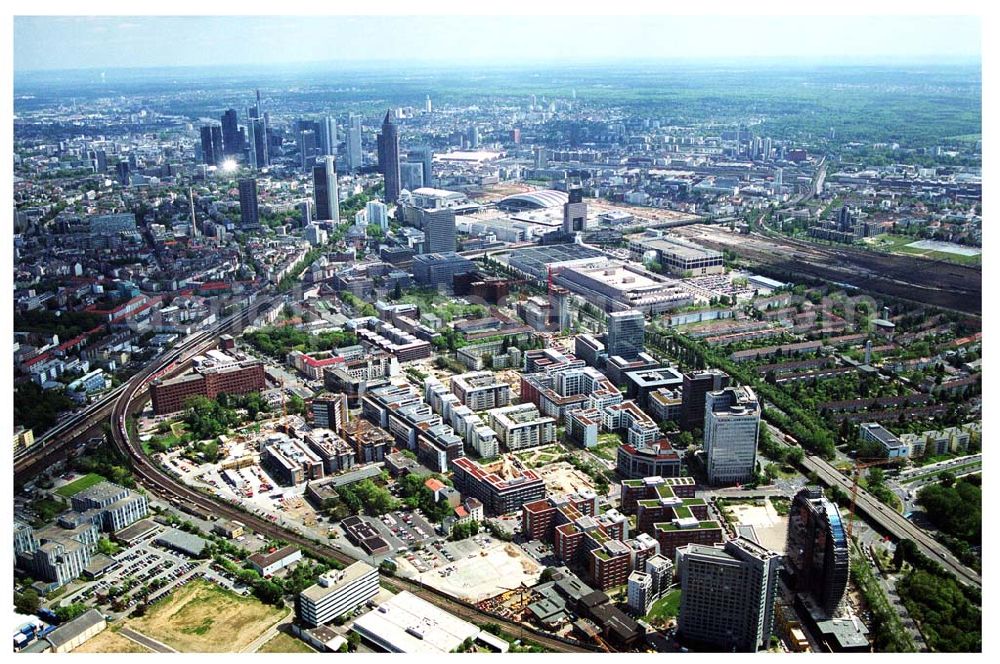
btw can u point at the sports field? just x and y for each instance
(202, 617)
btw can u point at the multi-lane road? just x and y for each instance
(883, 517)
(892, 521)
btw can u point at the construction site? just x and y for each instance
(481, 567)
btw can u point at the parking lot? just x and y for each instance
(141, 564)
(541, 552)
(408, 528)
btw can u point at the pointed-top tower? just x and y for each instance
(194, 225)
(388, 156)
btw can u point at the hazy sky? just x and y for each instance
(148, 41)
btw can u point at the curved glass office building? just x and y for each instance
(817, 552)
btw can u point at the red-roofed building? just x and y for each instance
(41, 357)
(77, 341)
(499, 493)
(313, 367)
(214, 288)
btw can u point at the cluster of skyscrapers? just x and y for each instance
(231, 141)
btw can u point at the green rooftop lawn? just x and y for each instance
(79, 484)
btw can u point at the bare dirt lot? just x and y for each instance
(109, 641)
(202, 617)
(297, 508)
(562, 478)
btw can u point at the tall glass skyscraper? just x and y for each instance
(257, 136)
(249, 211)
(207, 151)
(325, 189)
(355, 159)
(626, 333)
(327, 127)
(424, 155)
(232, 144)
(388, 157)
(817, 553)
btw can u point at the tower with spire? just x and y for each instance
(388, 157)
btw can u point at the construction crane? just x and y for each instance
(284, 407)
(859, 465)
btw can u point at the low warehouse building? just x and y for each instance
(409, 624)
(182, 542)
(77, 631)
(268, 563)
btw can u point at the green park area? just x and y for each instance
(665, 608)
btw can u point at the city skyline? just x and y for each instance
(101, 42)
(465, 334)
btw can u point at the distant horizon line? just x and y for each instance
(790, 61)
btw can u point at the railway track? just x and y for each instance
(162, 484)
(925, 281)
(54, 444)
(58, 438)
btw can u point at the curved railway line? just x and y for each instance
(159, 482)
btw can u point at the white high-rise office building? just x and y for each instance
(377, 212)
(338, 592)
(732, 420)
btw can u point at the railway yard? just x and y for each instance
(933, 282)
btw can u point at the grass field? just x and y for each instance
(285, 643)
(79, 484)
(606, 450)
(666, 607)
(897, 244)
(111, 641)
(941, 255)
(202, 617)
